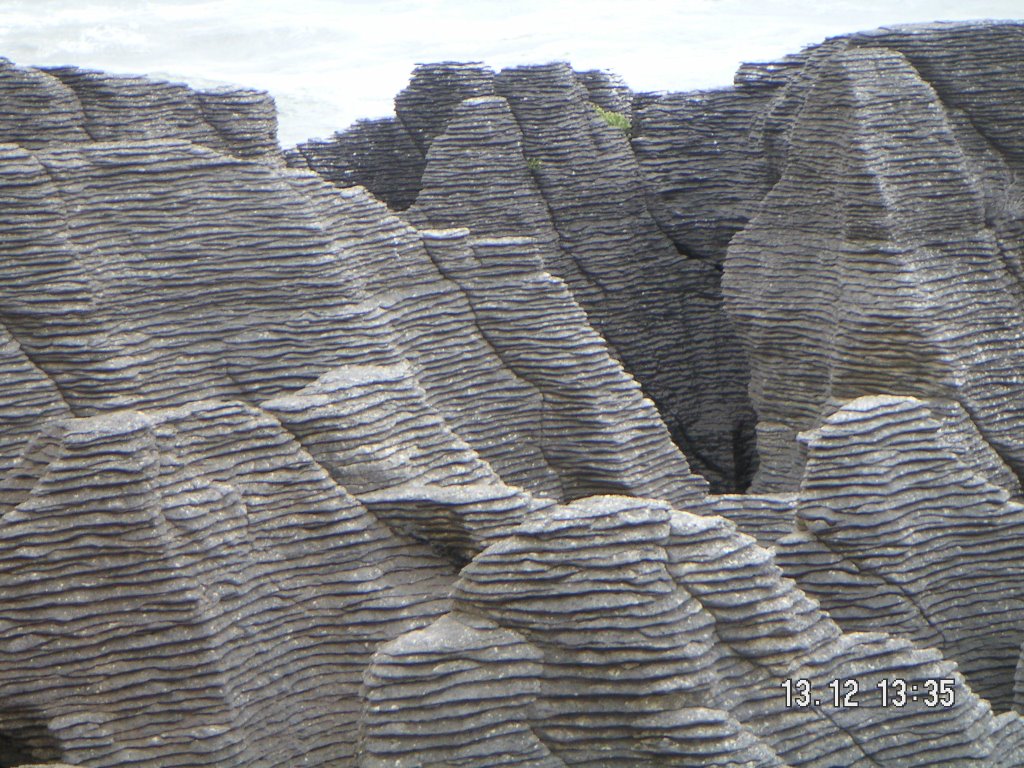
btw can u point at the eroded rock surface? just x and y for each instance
(620, 632)
(293, 472)
(885, 258)
(253, 425)
(525, 153)
(896, 519)
(191, 587)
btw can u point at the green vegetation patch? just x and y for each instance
(615, 119)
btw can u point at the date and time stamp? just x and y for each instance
(935, 693)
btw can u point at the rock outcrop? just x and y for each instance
(188, 586)
(173, 295)
(898, 518)
(104, 220)
(72, 105)
(525, 153)
(885, 258)
(812, 180)
(297, 471)
(620, 632)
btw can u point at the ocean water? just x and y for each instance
(330, 62)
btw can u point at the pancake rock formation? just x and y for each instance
(525, 152)
(544, 424)
(886, 258)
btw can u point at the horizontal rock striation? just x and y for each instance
(619, 632)
(525, 153)
(376, 154)
(344, 456)
(68, 104)
(388, 156)
(170, 582)
(887, 252)
(659, 311)
(897, 519)
(567, 364)
(376, 434)
(253, 424)
(31, 399)
(703, 173)
(212, 251)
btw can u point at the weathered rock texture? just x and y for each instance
(71, 105)
(191, 587)
(525, 153)
(213, 252)
(253, 424)
(897, 519)
(886, 257)
(293, 476)
(847, 272)
(620, 632)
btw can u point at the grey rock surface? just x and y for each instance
(377, 452)
(170, 547)
(892, 519)
(191, 588)
(703, 200)
(886, 253)
(617, 631)
(524, 152)
(219, 296)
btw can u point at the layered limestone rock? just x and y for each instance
(376, 434)
(616, 631)
(172, 272)
(30, 400)
(885, 258)
(567, 363)
(525, 153)
(68, 104)
(376, 154)
(387, 156)
(704, 174)
(287, 478)
(188, 586)
(897, 519)
(185, 582)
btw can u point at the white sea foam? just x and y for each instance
(329, 62)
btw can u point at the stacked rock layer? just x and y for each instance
(526, 153)
(377, 452)
(886, 257)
